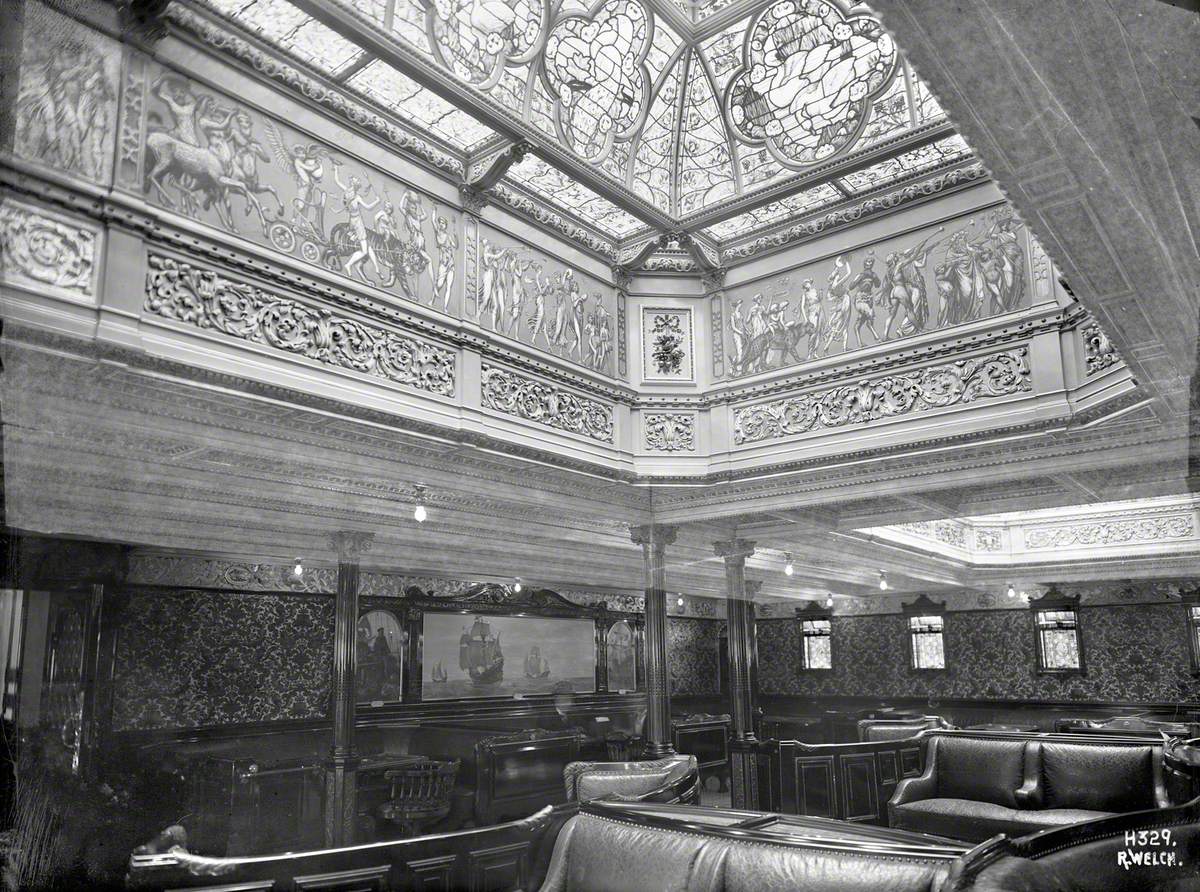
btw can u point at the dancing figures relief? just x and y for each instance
(955, 273)
(527, 296)
(212, 159)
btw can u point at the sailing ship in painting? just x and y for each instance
(536, 666)
(978, 270)
(480, 655)
(438, 673)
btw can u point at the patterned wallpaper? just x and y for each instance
(188, 658)
(692, 655)
(1132, 654)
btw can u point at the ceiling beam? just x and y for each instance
(367, 34)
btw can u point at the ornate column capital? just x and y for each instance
(473, 199)
(351, 544)
(734, 549)
(143, 21)
(653, 534)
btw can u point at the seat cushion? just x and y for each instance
(979, 769)
(1045, 818)
(594, 784)
(958, 818)
(752, 867)
(1098, 778)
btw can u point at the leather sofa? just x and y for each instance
(630, 780)
(898, 729)
(976, 786)
(611, 850)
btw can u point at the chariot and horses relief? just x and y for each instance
(949, 275)
(213, 160)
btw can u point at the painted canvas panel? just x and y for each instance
(964, 269)
(213, 159)
(66, 107)
(498, 656)
(379, 655)
(667, 344)
(524, 294)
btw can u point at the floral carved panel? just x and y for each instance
(40, 248)
(668, 346)
(935, 387)
(669, 431)
(1112, 532)
(546, 404)
(1099, 351)
(203, 298)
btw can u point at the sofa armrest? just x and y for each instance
(1029, 794)
(924, 786)
(556, 873)
(1162, 799)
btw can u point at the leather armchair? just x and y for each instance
(625, 780)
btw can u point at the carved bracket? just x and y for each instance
(476, 193)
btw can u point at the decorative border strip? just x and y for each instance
(203, 298)
(507, 392)
(1112, 532)
(889, 396)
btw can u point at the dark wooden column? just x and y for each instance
(654, 539)
(742, 659)
(340, 780)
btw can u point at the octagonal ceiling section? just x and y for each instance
(646, 116)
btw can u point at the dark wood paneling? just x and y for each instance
(860, 787)
(431, 874)
(499, 868)
(816, 787)
(363, 879)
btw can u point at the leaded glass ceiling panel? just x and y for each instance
(643, 113)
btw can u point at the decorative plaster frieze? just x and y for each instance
(988, 539)
(203, 298)
(949, 532)
(854, 213)
(547, 404)
(1112, 532)
(40, 248)
(331, 96)
(669, 432)
(1100, 352)
(187, 571)
(890, 396)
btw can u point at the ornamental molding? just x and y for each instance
(292, 75)
(935, 387)
(1099, 351)
(669, 432)
(554, 221)
(1112, 532)
(204, 299)
(543, 403)
(854, 212)
(39, 248)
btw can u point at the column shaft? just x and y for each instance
(657, 733)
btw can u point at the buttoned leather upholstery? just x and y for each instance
(624, 780)
(596, 854)
(975, 788)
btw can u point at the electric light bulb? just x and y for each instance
(788, 569)
(298, 570)
(883, 583)
(517, 584)
(1012, 592)
(680, 602)
(829, 601)
(419, 514)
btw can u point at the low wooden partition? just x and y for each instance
(848, 781)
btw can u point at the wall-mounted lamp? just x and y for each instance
(680, 601)
(1012, 592)
(829, 601)
(419, 513)
(788, 568)
(883, 583)
(298, 570)
(517, 584)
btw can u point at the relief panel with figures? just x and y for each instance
(962, 270)
(66, 106)
(215, 160)
(522, 293)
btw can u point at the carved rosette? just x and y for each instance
(1112, 532)
(670, 432)
(203, 298)
(512, 394)
(957, 383)
(1099, 351)
(37, 248)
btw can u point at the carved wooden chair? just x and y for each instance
(420, 794)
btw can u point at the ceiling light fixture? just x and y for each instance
(419, 513)
(788, 568)
(517, 584)
(680, 601)
(883, 583)
(298, 570)
(829, 600)
(1012, 592)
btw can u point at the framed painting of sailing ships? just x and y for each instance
(467, 655)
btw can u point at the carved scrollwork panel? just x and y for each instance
(40, 248)
(546, 404)
(889, 396)
(670, 432)
(1099, 351)
(203, 298)
(1112, 532)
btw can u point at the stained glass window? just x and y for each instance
(817, 638)
(1058, 640)
(928, 647)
